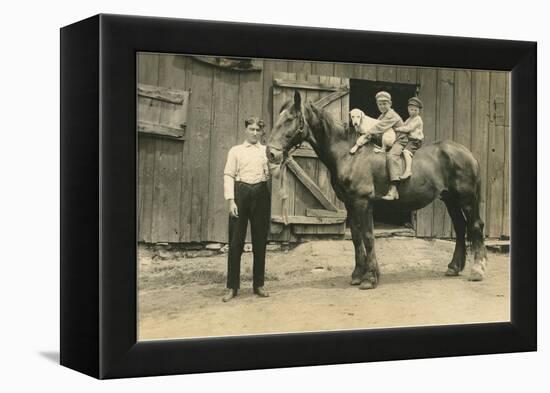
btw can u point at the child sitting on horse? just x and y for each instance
(387, 121)
(412, 131)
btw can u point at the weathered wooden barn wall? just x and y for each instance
(180, 182)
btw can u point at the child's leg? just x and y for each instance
(385, 147)
(412, 146)
(388, 139)
(407, 155)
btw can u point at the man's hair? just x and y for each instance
(254, 120)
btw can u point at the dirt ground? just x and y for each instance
(310, 291)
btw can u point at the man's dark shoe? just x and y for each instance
(231, 293)
(261, 292)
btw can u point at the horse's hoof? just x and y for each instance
(451, 272)
(477, 272)
(475, 276)
(355, 281)
(367, 285)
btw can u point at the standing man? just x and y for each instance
(245, 188)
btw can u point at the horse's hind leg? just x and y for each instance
(459, 224)
(475, 236)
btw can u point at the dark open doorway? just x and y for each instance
(362, 96)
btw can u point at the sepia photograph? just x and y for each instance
(287, 196)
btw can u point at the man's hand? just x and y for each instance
(233, 211)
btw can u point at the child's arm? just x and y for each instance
(385, 124)
(413, 124)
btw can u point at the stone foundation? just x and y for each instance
(164, 251)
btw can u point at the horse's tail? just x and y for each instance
(476, 199)
(467, 185)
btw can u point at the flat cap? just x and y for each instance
(383, 96)
(415, 101)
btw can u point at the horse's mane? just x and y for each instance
(328, 122)
(324, 117)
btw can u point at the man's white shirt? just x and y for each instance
(247, 163)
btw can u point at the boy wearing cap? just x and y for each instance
(413, 128)
(388, 119)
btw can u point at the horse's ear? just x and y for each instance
(297, 100)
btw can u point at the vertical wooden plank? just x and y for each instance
(506, 204)
(347, 70)
(270, 67)
(300, 67)
(198, 137)
(223, 136)
(148, 73)
(427, 78)
(344, 115)
(322, 69)
(386, 73)
(146, 168)
(368, 72)
(166, 198)
(335, 107)
(496, 153)
(480, 130)
(444, 131)
(168, 163)
(149, 110)
(140, 183)
(173, 71)
(186, 164)
(406, 75)
(463, 108)
(172, 74)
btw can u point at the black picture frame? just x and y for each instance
(98, 196)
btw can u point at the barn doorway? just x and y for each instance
(362, 96)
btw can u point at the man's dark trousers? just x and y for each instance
(253, 203)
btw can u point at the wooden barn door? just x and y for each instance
(309, 205)
(162, 121)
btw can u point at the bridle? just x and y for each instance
(300, 131)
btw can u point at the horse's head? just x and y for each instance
(289, 130)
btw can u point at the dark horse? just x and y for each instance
(445, 170)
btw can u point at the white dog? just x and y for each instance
(363, 124)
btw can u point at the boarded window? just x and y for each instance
(162, 111)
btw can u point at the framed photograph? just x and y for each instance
(242, 196)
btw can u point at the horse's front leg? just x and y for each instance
(372, 273)
(360, 255)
